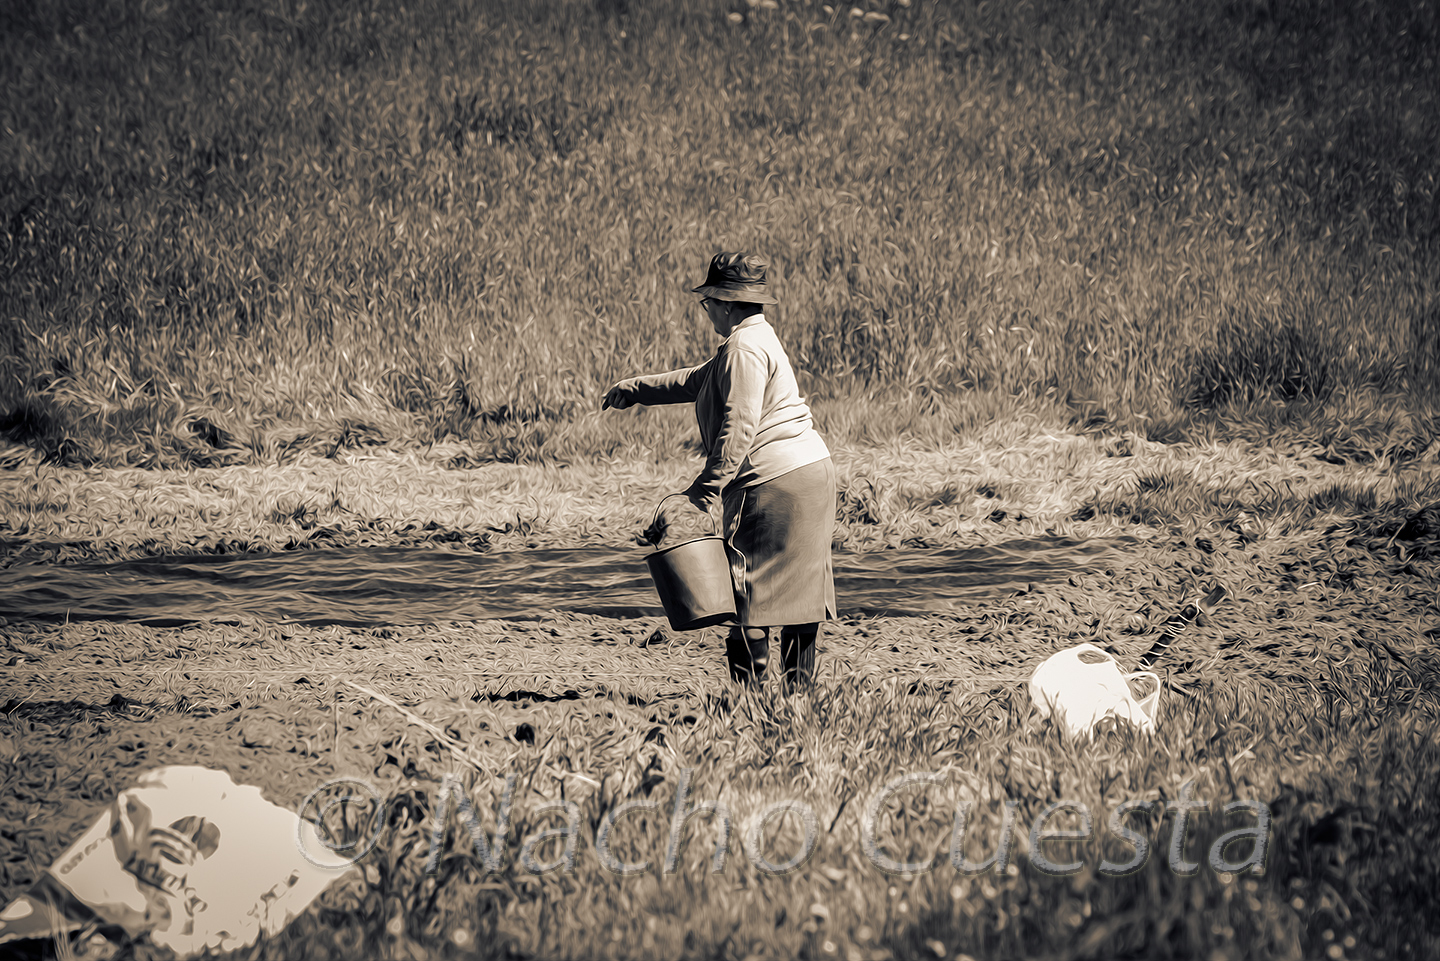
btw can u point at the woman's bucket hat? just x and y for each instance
(737, 276)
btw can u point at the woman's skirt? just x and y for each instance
(780, 533)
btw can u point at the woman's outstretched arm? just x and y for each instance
(672, 387)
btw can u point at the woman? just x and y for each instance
(766, 465)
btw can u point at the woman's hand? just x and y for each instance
(617, 397)
(702, 500)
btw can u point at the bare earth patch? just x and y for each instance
(1314, 691)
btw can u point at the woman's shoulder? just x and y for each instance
(762, 350)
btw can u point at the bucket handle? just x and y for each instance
(1150, 702)
(655, 519)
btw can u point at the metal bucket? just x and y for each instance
(693, 581)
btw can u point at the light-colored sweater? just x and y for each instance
(754, 425)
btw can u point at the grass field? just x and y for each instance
(238, 230)
(292, 275)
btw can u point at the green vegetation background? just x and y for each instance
(234, 229)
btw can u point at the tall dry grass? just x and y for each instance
(238, 229)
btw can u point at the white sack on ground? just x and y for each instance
(194, 862)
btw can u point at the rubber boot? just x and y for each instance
(797, 654)
(748, 651)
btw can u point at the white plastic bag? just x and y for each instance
(189, 859)
(1083, 685)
